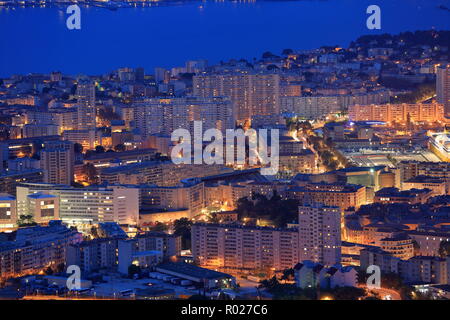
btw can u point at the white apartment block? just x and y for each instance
(86, 110)
(311, 107)
(87, 206)
(397, 112)
(164, 115)
(237, 247)
(443, 87)
(320, 234)
(251, 93)
(189, 196)
(57, 160)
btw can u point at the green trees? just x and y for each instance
(278, 211)
(26, 221)
(99, 149)
(120, 147)
(288, 275)
(132, 270)
(159, 227)
(107, 113)
(418, 94)
(444, 248)
(78, 148)
(182, 228)
(90, 173)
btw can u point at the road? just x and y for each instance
(385, 294)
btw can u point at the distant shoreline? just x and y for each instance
(114, 5)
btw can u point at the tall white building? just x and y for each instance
(164, 115)
(320, 234)
(57, 160)
(86, 110)
(253, 94)
(311, 107)
(443, 87)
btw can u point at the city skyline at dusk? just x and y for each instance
(217, 150)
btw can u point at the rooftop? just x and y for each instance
(193, 271)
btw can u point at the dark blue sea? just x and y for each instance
(37, 39)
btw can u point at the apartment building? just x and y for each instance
(93, 255)
(86, 110)
(428, 242)
(426, 112)
(319, 237)
(159, 173)
(330, 194)
(315, 107)
(43, 207)
(188, 195)
(164, 115)
(443, 87)
(8, 212)
(408, 170)
(251, 93)
(292, 163)
(33, 249)
(240, 248)
(400, 246)
(57, 161)
(11, 179)
(419, 269)
(87, 206)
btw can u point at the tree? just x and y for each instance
(107, 113)
(78, 148)
(213, 218)
(270, 284)
(132, 270)
(159, 226)
(99, 149)
(444, 249)
(262, 207)
(288, 274)
(60, 267)
(183, 228)
(90, 172)
(287, 52)
(48, 271)
(26, 221)
(120, 147)
(94, 232)
(391, 281)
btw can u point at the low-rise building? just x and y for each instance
(309, 274)
(34, 249)
(206, 278)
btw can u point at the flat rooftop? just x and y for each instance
(193, 271)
